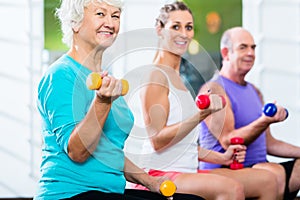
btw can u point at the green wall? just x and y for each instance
(203, 67)
(53, 34)
(230, 12)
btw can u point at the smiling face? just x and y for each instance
(177, 32)
(99, 27)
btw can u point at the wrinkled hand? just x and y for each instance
(237, 152)
(155, 183)
(110, 89)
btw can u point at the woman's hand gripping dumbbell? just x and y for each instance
(236, 164)
(168, 188)
(94, 82)
(203, 101)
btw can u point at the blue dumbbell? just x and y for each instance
(270, 110)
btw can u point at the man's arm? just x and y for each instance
(280, 148)
(277, 147)
(221, 124)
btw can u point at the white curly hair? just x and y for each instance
(71, 14)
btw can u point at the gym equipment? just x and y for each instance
(167, 188)
(94, 82)
(270, 110)
(203, 101)
(236, 164)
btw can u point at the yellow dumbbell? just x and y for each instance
(167, 188)
(94, 81)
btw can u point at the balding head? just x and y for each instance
(234, 34)
(238, 53)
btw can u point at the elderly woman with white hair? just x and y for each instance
(84, 130)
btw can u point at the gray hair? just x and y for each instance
(226, 40)
(71, 14)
